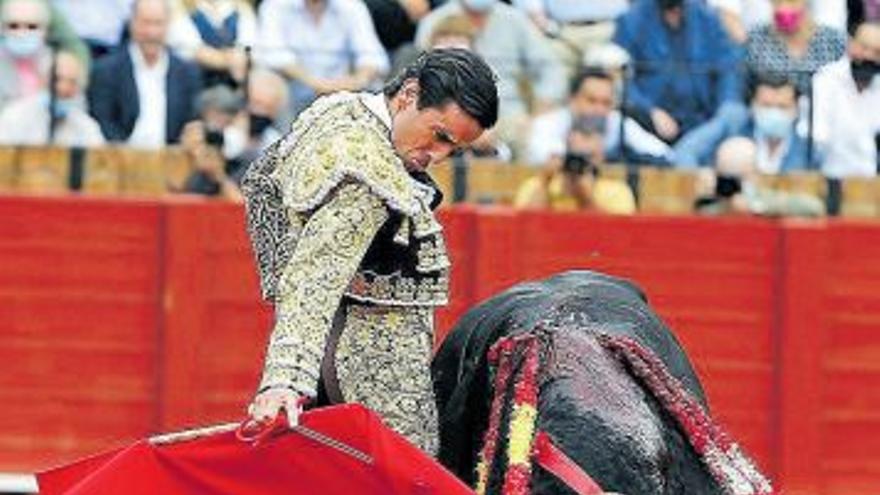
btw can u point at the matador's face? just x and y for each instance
(427, 136)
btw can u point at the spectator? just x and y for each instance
(592, 95)
(24, 57)
(452, 32)
(143, 95)
(222, 162)
(455, 31)
(578, 26)
(847, 98)
(573, 181)
(737, 191)
(793, 44)
(831, 13)
(737, 17)
(516, 51)
(59, 33)
(322, 46)
(214, 143)
(396, 20)
(214, 34)
(99, 23)
(266, 102)
(861, 11)
(683, 83)
(773, 128)
(26, 121)
(554, 16)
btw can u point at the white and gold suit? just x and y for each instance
(349, 252)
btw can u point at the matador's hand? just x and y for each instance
(268, 404)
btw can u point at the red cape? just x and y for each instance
(290, 463)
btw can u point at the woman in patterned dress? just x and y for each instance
(792, 44)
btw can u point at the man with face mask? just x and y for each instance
(847, 98)
(266, 100)
(774, 113)
(224, 142)
(215, 143)
(27, 28)
(24, 56)
(592, 95)
(25, 121)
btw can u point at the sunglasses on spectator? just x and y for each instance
(30, 26)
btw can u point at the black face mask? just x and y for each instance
(258, 123)
(863, 71)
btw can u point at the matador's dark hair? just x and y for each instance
(452, 75)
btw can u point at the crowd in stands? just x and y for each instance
(775, 86)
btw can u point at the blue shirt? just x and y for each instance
(688, 72)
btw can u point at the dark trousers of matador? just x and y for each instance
(379, 356)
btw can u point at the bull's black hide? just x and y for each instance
(588, 401)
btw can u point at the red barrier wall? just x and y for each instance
(847, 405)
(215, 325)
(123, 318)
(79, 314)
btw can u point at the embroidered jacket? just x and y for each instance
(333, 217)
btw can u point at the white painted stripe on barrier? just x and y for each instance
(18, 483)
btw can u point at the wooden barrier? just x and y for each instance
(131, 172)
(43, 169)
(102, 172)
(8, 168)
(105, 171)
(124, 318)
(667, 191)
(860, 198)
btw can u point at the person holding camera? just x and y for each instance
(215, 144)
(574, 180)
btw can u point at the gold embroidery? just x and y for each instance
(316, 200)
(343, 139)
(397, 290)
(327, 254)
(383, 361)
(338, 139)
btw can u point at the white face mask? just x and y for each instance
(63, 106)
(24, 45)
(772, 122)
(234, 142)
(479, 5)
